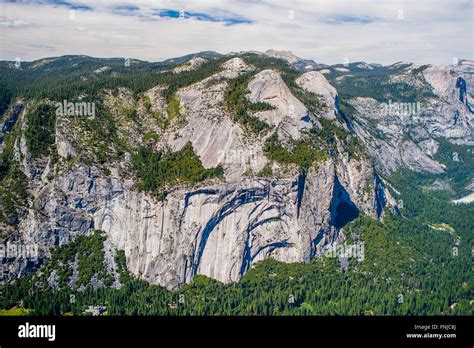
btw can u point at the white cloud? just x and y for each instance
(12, 23)
(430, 31)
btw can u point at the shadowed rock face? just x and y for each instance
(221, 227)
(344, 210)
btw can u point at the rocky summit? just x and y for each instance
(209, 164)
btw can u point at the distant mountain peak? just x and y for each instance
(286, 55)
(299, 63)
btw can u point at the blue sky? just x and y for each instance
(328, 31)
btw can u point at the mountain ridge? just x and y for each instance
(298, 158)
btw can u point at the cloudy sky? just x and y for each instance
(328, 31)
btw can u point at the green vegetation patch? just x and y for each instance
(130, 113)
(302, 153)
(239, 105)
(330, 133)
(15, 312)
(151, 136)
(266, 171)
(101, 141)
(13, 187)
(13, 195)
(89, 253)
(173, 108)
(374, 83)
(40, 130)
(460, 173)
(156, 169)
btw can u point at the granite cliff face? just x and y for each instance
(218, 227)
